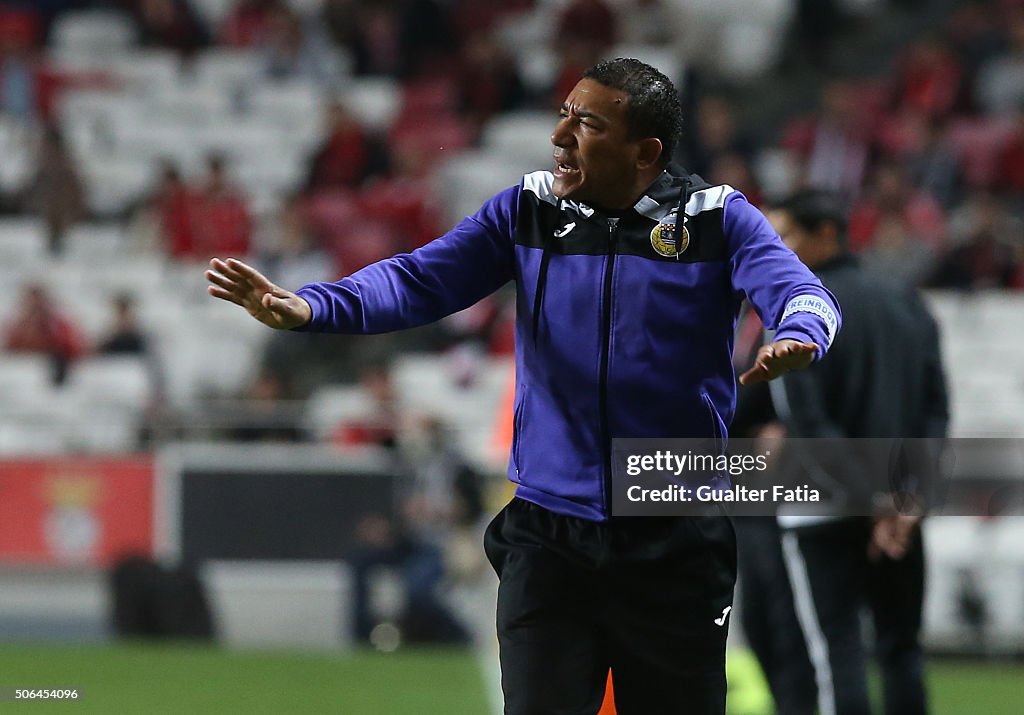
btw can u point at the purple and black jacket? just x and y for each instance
(624, 321)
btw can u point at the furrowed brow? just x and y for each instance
(583, 113)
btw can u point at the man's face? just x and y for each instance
(796, 238)
(595, 160)
(813, 249)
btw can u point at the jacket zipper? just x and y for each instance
(606, 337)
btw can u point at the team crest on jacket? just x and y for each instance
(666, 240)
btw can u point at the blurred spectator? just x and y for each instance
(896, 254)
(1010, 172)
(929, 80)
(443, 498)
(426, 40)
(733, 169)
(247, 23)
(369, 30)
(125, 336)
(717, 134)
(19, 30)
(56, 193)
(985, 252)
(892, 194)
(39, 327)
(472, 18)
(833, 146)
(1000, 82)
(168, 23)
(815, 25)
(174, 204)
(395, 38)
(975, 30)
(379, 426)
(222, 223)
(587, 22)
(446, 491)
(489, 81)
(266, 416)
(347, 157)
(932, 164)
(647, 22)
(292, 51)
(290, 249)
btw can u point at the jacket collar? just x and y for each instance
(659, 199)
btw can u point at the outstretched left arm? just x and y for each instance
(788, 297)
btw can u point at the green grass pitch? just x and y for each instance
(195, 680)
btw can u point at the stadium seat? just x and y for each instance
(466, 181)
(665, 59)
(374, 101)
(333, 404)
(17, 152)
(95, 243)
(116, 183)
(21, 439)
(96, 32)
(22, 241)
(25, 378)
(524, 137)
(124, 382)
(226, 69)
(190, 103)
(145, 70)
(102, 429)
(437, 385)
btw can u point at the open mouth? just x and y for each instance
(563, 169)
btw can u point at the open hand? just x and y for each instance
(777, 359)
(243, 285)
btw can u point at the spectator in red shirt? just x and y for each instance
(834, 145)
(591, 22)
(1010, 176)
(246, 25)
(38, 327)
(489, 81)
(930, 79)
(174, 204)
(222, 222)
(347, 156)
(892, 192)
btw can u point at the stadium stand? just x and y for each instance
(129, 107)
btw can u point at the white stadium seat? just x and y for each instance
(98, 32)
(522, 137)
(25, 378)
(374, 101)
(22, 241)
(124, 382)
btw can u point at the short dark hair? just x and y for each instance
(811, 209)
(654, 108)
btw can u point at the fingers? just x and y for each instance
(221, 281)
(778, 358)
(249, 274)
(227, 295)
(761, 369)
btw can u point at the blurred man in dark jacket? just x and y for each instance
(883, 378)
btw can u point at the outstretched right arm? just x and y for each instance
(448, 274)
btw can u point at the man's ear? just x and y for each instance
(649, 153)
